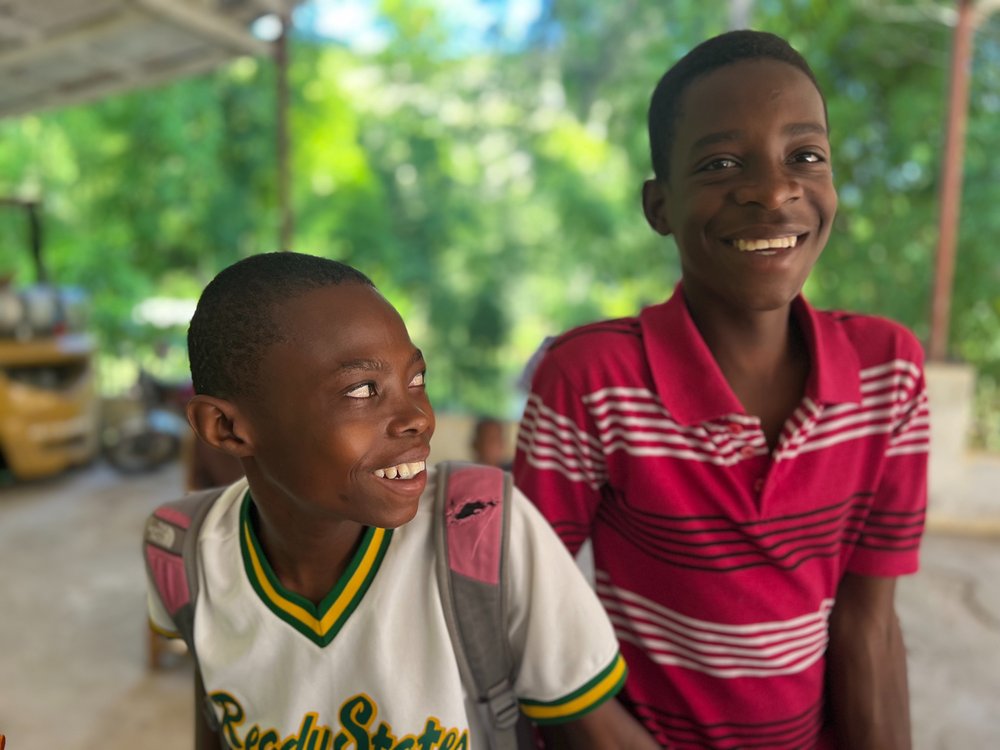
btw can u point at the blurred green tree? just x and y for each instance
(491, 189)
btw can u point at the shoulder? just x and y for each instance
(612, 332)
(589, 352)
(876, 340)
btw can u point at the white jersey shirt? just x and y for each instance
(372, 666)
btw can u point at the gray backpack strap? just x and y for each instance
(169, 548)
(472, 517)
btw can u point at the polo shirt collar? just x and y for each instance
(691, 385)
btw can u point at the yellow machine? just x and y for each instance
(49, 405)
(49, 413)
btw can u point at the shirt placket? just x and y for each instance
(746, 436)
(779, 461)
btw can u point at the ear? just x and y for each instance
(219, 423)
(654, 205)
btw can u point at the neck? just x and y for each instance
(308, 558)
(756, 343)
(763, 357)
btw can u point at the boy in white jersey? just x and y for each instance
(318, 622)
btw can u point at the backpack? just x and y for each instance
(472, 516)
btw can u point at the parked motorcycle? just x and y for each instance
(146, 440)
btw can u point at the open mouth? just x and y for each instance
(768, 245)
(406, 470)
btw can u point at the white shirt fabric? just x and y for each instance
(387, 672)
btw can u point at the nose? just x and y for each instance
(413, 415)
(768, 185)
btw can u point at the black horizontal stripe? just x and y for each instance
(731, 726)
(572, 535)
(890, 548)
(649, 515)
(915, 524)
(741, 535)
(570, 527)
(922, 510)
(892, 537)
(834, 515)
(756, 545)
(795, 732)
(717, 564)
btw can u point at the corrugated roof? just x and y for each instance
(60, 52)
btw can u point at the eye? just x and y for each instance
(418, 379)
(809, 157)
(718, 164)
(365, 390)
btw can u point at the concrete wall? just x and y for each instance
(964, 486)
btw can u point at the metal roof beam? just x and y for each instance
(206, 24)
(19, 29)
(63, 97)
(77, 39)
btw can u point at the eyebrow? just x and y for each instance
(725, 136)
(355, 365)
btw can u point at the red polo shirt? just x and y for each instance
(717, 560)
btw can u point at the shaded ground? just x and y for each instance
(73, 642)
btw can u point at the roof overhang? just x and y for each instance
(60, 52)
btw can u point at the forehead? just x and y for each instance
(344, 317)
(749, 94)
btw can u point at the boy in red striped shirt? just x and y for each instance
(751, 471)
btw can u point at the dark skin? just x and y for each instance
(765, 367)
(750, 201)
(866, 668)
(342, 404)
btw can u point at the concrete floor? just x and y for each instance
(73, 672)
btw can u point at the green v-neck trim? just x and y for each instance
(321, 622)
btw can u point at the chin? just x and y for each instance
(767, 300)
(394, 518)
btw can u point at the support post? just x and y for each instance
(951, 181)
(287, 221)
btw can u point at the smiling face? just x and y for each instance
(750, 196)
(341, 427)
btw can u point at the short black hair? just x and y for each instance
(719, 51)
(234, 321)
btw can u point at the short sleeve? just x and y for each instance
(563, 643)
(159, 620)
(559, 464)
(889, 542)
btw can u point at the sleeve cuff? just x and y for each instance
(603, 686)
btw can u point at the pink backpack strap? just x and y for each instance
(473, 521)
(169, 547)
(472, 518)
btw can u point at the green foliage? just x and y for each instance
(493, 193)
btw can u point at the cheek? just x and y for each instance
(698, 213)
(826, 197)
(348, 443)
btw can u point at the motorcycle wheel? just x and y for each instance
(142, 450)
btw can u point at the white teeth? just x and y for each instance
(745, 246)
(403, 471)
